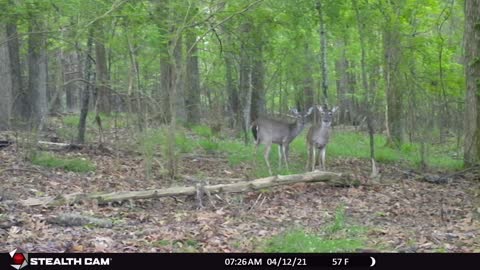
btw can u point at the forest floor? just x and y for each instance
(399, 213)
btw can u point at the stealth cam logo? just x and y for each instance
(19, 258)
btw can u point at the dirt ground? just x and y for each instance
(402, 214)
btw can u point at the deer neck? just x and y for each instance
(326, 125)
(297, 128)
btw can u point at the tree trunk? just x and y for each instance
(89, 77)
(257, 81)
(21, 102)
(102, 84)
(232, 92)
(71, 67)
(472, 75)
(343, 87)
(323, 52)
(55, 95)
(192, 82)
(369, 104)
(181, 114)
(392, 52)
(308, 93)
(37, 71)
(5, 81)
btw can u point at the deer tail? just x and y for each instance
(254, 128)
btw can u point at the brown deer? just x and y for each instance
(267, 131)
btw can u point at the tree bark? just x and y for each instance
(21, 102)
(5, 81)
(392, 52)
(308, 92)
(37, 71)
(192, 88)
(343, 87)
(472, 75)
(232, 92)
(71, 67)
(323, 52)
(257, 81)
(89, 77)
(101, 70)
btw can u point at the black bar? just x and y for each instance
(213, 261)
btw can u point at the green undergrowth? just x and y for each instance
(68, 164)
(336, 236)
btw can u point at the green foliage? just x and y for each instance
(336, 237)
(203, 131)
(69, 164)
(298, 241)
(209, 145)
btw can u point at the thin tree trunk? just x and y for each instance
(192, 101)
(89, 77)
(308, 94)
(369, 95)
(323, 51)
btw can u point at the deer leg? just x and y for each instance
(313, 158)
(285, 155)
(309, 156)
(323, 151)
(279, 156)
(265, 156)
(317, 157)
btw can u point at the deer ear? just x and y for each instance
(294, 111)
(310, 110)
(320, 108)
(334, 109)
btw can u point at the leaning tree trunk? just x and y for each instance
(472, 75)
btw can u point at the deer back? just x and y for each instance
(276, 131)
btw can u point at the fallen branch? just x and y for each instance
(243, 186)
(56, 146)
(74, 219)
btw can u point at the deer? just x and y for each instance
(269, 131)
(318, 136)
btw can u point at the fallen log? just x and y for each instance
(243, 186)
(57, 146)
